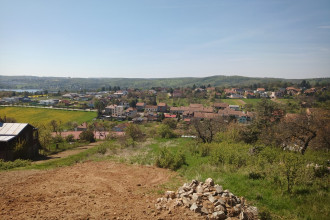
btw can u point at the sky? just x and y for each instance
(165, 38)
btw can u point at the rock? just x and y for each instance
(204, 210)
(194, 207)
(199, 189)
(219, 208)
(212, 198)
(209, 200)
(218, 188)
(170, 194)
(196, 197)
(209, 182)
(181, 190)
(186, 202)
(219, 215)
(251, 212)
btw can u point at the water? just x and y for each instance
(22, 90)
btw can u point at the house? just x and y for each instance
(82, 127)
(292, 91)
(49, 102)
(249, 95)
(131, 112)
(178, 110)
(151, 108)
(162, 107)
(140, 106)
(234, 107)
(310, 91)
(120, 93)
(261, 90)
(11, 99)
(114, 110)
(12, 134)
(201, 115)
(235, 96)
(169, 115)
(220, 105)
(196, 106)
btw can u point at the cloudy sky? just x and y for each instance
(165, 38)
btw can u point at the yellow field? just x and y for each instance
(36, 116)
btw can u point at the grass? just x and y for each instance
(52, 149)
(36, 116)
(269, 197)
(306, 202)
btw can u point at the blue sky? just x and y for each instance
(165, 38)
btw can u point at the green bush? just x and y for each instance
(101, 149)
(87, 136)
(6, 165)
(166, 159)
(165, 131)
(58, 139)
(69, 138)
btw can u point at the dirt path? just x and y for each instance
(90, 190)
(68, 152)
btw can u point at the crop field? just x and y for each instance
(36, 116)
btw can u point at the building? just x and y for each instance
(114, 110)
(151, 108)
(131, 112)
(14, 134)
(140, 106)
(162, 107)
(220, 105)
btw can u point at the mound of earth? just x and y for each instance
(90, 190)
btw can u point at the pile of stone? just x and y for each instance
(209, 200)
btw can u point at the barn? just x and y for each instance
(18, 140)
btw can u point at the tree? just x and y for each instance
(298, 131)
(44, 135)
(268, 114)
(99, 105)
(172, 123)
(134, 132)
(207, 128)
(54, 125)
(87, 136)
(165, 131)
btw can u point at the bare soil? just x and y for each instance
(90, 190)
(67, 153)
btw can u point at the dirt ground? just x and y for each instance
(90, 190)
(67, 153)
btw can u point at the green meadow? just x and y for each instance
(36, 116)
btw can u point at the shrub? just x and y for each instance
(6, 165)
(165, 131)
(172, 123)
(87, 136)
(101, 149)
(134, 132)
(255, 175)
(69, 138)
(166, 159)
(58, 139)
(204, 150)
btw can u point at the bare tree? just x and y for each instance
(207, 128)
(300, 130)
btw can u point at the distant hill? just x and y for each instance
(75, 84)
